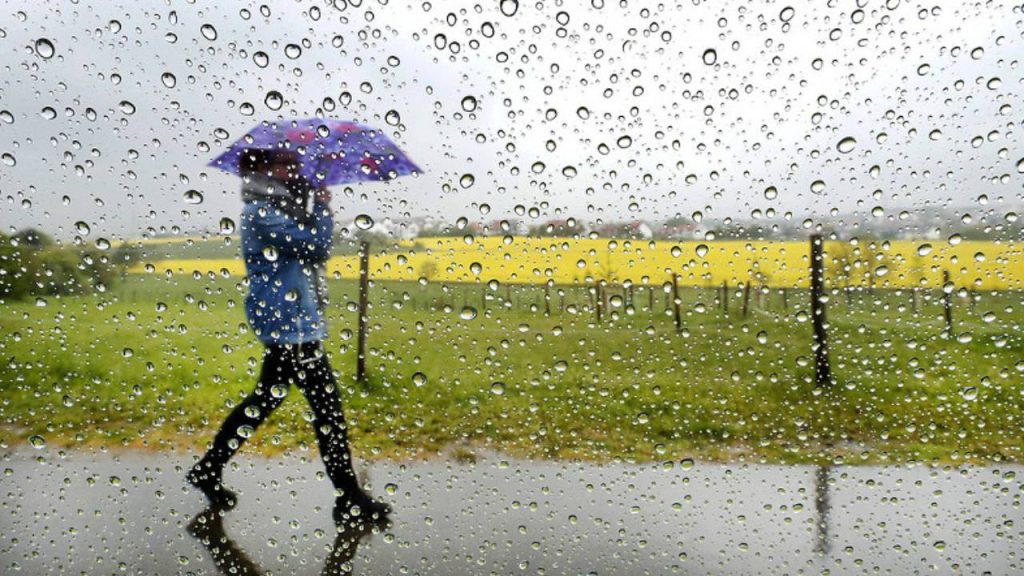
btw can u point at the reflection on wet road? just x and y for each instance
(130, 513)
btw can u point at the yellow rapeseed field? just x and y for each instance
(980, 265)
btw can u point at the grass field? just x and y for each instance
(158, 360)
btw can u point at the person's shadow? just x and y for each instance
(208, 529)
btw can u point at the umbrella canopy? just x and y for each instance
(330, 151)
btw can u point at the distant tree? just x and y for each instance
(35, 239)
(428, 269)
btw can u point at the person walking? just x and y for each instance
(286, 229)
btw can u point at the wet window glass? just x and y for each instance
(510, 287)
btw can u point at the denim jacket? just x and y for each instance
(284, 260)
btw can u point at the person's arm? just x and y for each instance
(310, 240)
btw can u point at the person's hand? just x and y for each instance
(323, 195)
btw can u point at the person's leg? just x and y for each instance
(318, 385)
(320, 388)
(243, 420)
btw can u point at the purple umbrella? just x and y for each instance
(331, 151)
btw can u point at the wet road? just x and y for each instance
(130, 513)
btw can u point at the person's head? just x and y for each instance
(282, 166)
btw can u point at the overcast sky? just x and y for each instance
(597, 111)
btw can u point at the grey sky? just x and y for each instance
(700, 135)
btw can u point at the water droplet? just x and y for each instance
(624, 142)
(291, 295)
(193, 197)
(977, 53)
(208, 32)
(82, 228)
(44, 48)
(846, 145)
(771, 193)
(583, 112)
(924, 249)
(227, 226)
(537, 167)
(710, 57)
(419, 379)
(818, 186)
(498, 388)
(392, 118)
(469, 104)
(467, 180)
(37, 441)
(292, 51)
(8, 159)
(274, 100)
(467, 313)
(1020, 165)
(569, 171)
(509, 7)
(940, 545)
(168, 79)
(787, 14)
(270, 253)
(260, 58)
(363, 222)
(127, 107)
(702, 250)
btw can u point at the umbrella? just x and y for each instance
(330, 151)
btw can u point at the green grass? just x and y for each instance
(114, 370)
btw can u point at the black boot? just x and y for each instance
(208, 480)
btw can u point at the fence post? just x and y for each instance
(676, 302)
(547, 299)
(913, 300)
(725, 297)
(599, 298)
(364, 298)
(822, 369)
(746, 299)
(947, 301)
(650, 298)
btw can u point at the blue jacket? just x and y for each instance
(283, 259)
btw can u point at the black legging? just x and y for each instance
(304, 365)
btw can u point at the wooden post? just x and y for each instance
(676, 303)
(947, 302)
(822, 369)
(746, 299)
(725, 297)
(913, 300)
(483, 297)
(547, 300)
(598, 298)
(650, 298)
(561, 301)
(508, 294)
(364, 298)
